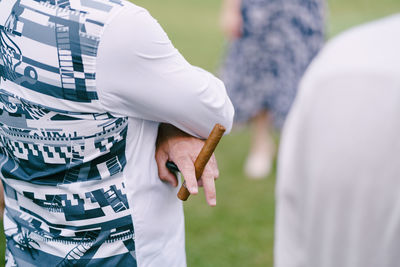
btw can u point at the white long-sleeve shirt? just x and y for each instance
(338, 201)
(144, 77)
(84, 86)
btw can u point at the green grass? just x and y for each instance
(346, 13)
(2, 245)
(191, 25)
(239, 231)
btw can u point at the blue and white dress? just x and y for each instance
(263, 67)
(83, 87)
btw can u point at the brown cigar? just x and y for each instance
(203, 157)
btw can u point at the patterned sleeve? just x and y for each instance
(141, 74)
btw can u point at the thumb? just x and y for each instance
(163, 172)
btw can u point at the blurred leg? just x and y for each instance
(262, 147)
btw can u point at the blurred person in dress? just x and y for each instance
(271, 44)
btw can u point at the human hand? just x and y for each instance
(231, 19)
(182, 149)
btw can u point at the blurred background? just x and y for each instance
(240, 230)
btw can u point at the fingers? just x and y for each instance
(210, 173)
(186, 166)
(212, 164)
(212, 168)
(163, 172)
(183, 150)
(209, 187)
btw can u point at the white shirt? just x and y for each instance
(83, 87)
(140, 74)
(144, 76)
(338, 201)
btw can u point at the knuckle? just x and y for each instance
(208, 174)
(182, 158)
(163, 173)
(163, 176)
(211, 194)
(157, 157)
(191, 180)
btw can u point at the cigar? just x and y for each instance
(203, 157)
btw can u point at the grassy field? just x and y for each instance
(239, 231)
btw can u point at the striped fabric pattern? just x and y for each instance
(61, 155)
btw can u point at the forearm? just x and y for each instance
(234, 4)
(231, 19)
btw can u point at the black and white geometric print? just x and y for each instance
(62, 169)
(73, 141)
(65, 36)
(70, 171)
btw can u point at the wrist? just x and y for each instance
(166, 130)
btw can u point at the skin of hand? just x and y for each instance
(231, 19)
(182, 149)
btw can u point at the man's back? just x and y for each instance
(62, 155)
(81, 189)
